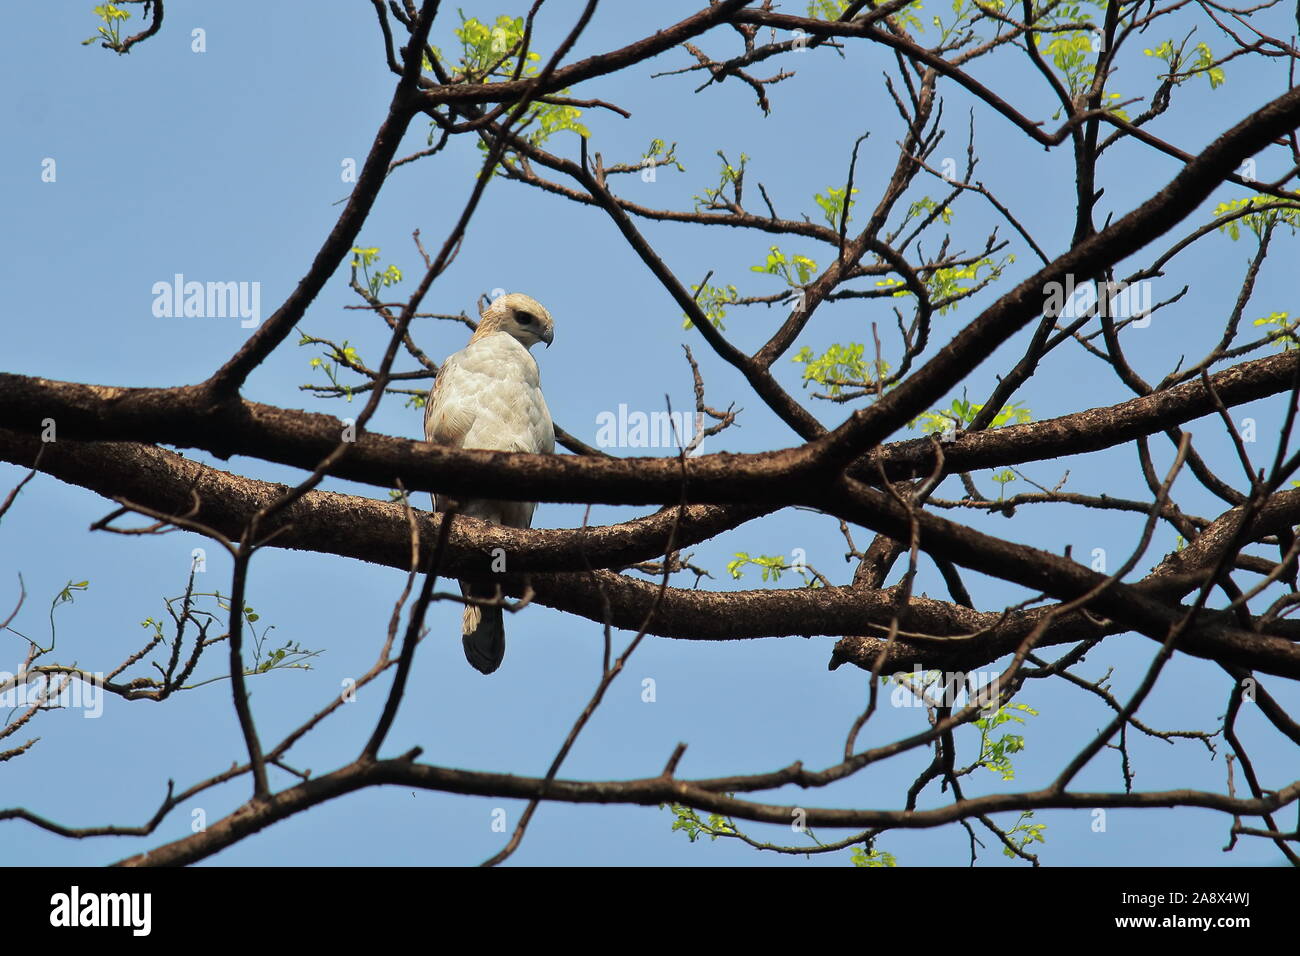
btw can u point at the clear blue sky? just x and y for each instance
(226, 165)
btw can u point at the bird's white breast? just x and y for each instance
(497, 397)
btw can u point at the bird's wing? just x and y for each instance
(449, 413)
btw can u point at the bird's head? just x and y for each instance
(520, 316)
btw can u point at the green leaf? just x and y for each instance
(713, 302)
(1023, 834)
(112, 16)
(996, 755)
(797, 270)
(833, 205)
(962, 412)
(840, 367)
(1256, 222)
(861, 856)
(771, 567)
(1285, 328)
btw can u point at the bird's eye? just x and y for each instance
(526, 318)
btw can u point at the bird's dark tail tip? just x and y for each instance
(483, 634)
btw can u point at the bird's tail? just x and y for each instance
(483, 631)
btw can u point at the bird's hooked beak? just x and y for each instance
(547, 336)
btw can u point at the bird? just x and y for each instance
(489, 396)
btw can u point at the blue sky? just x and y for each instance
(225, 165)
